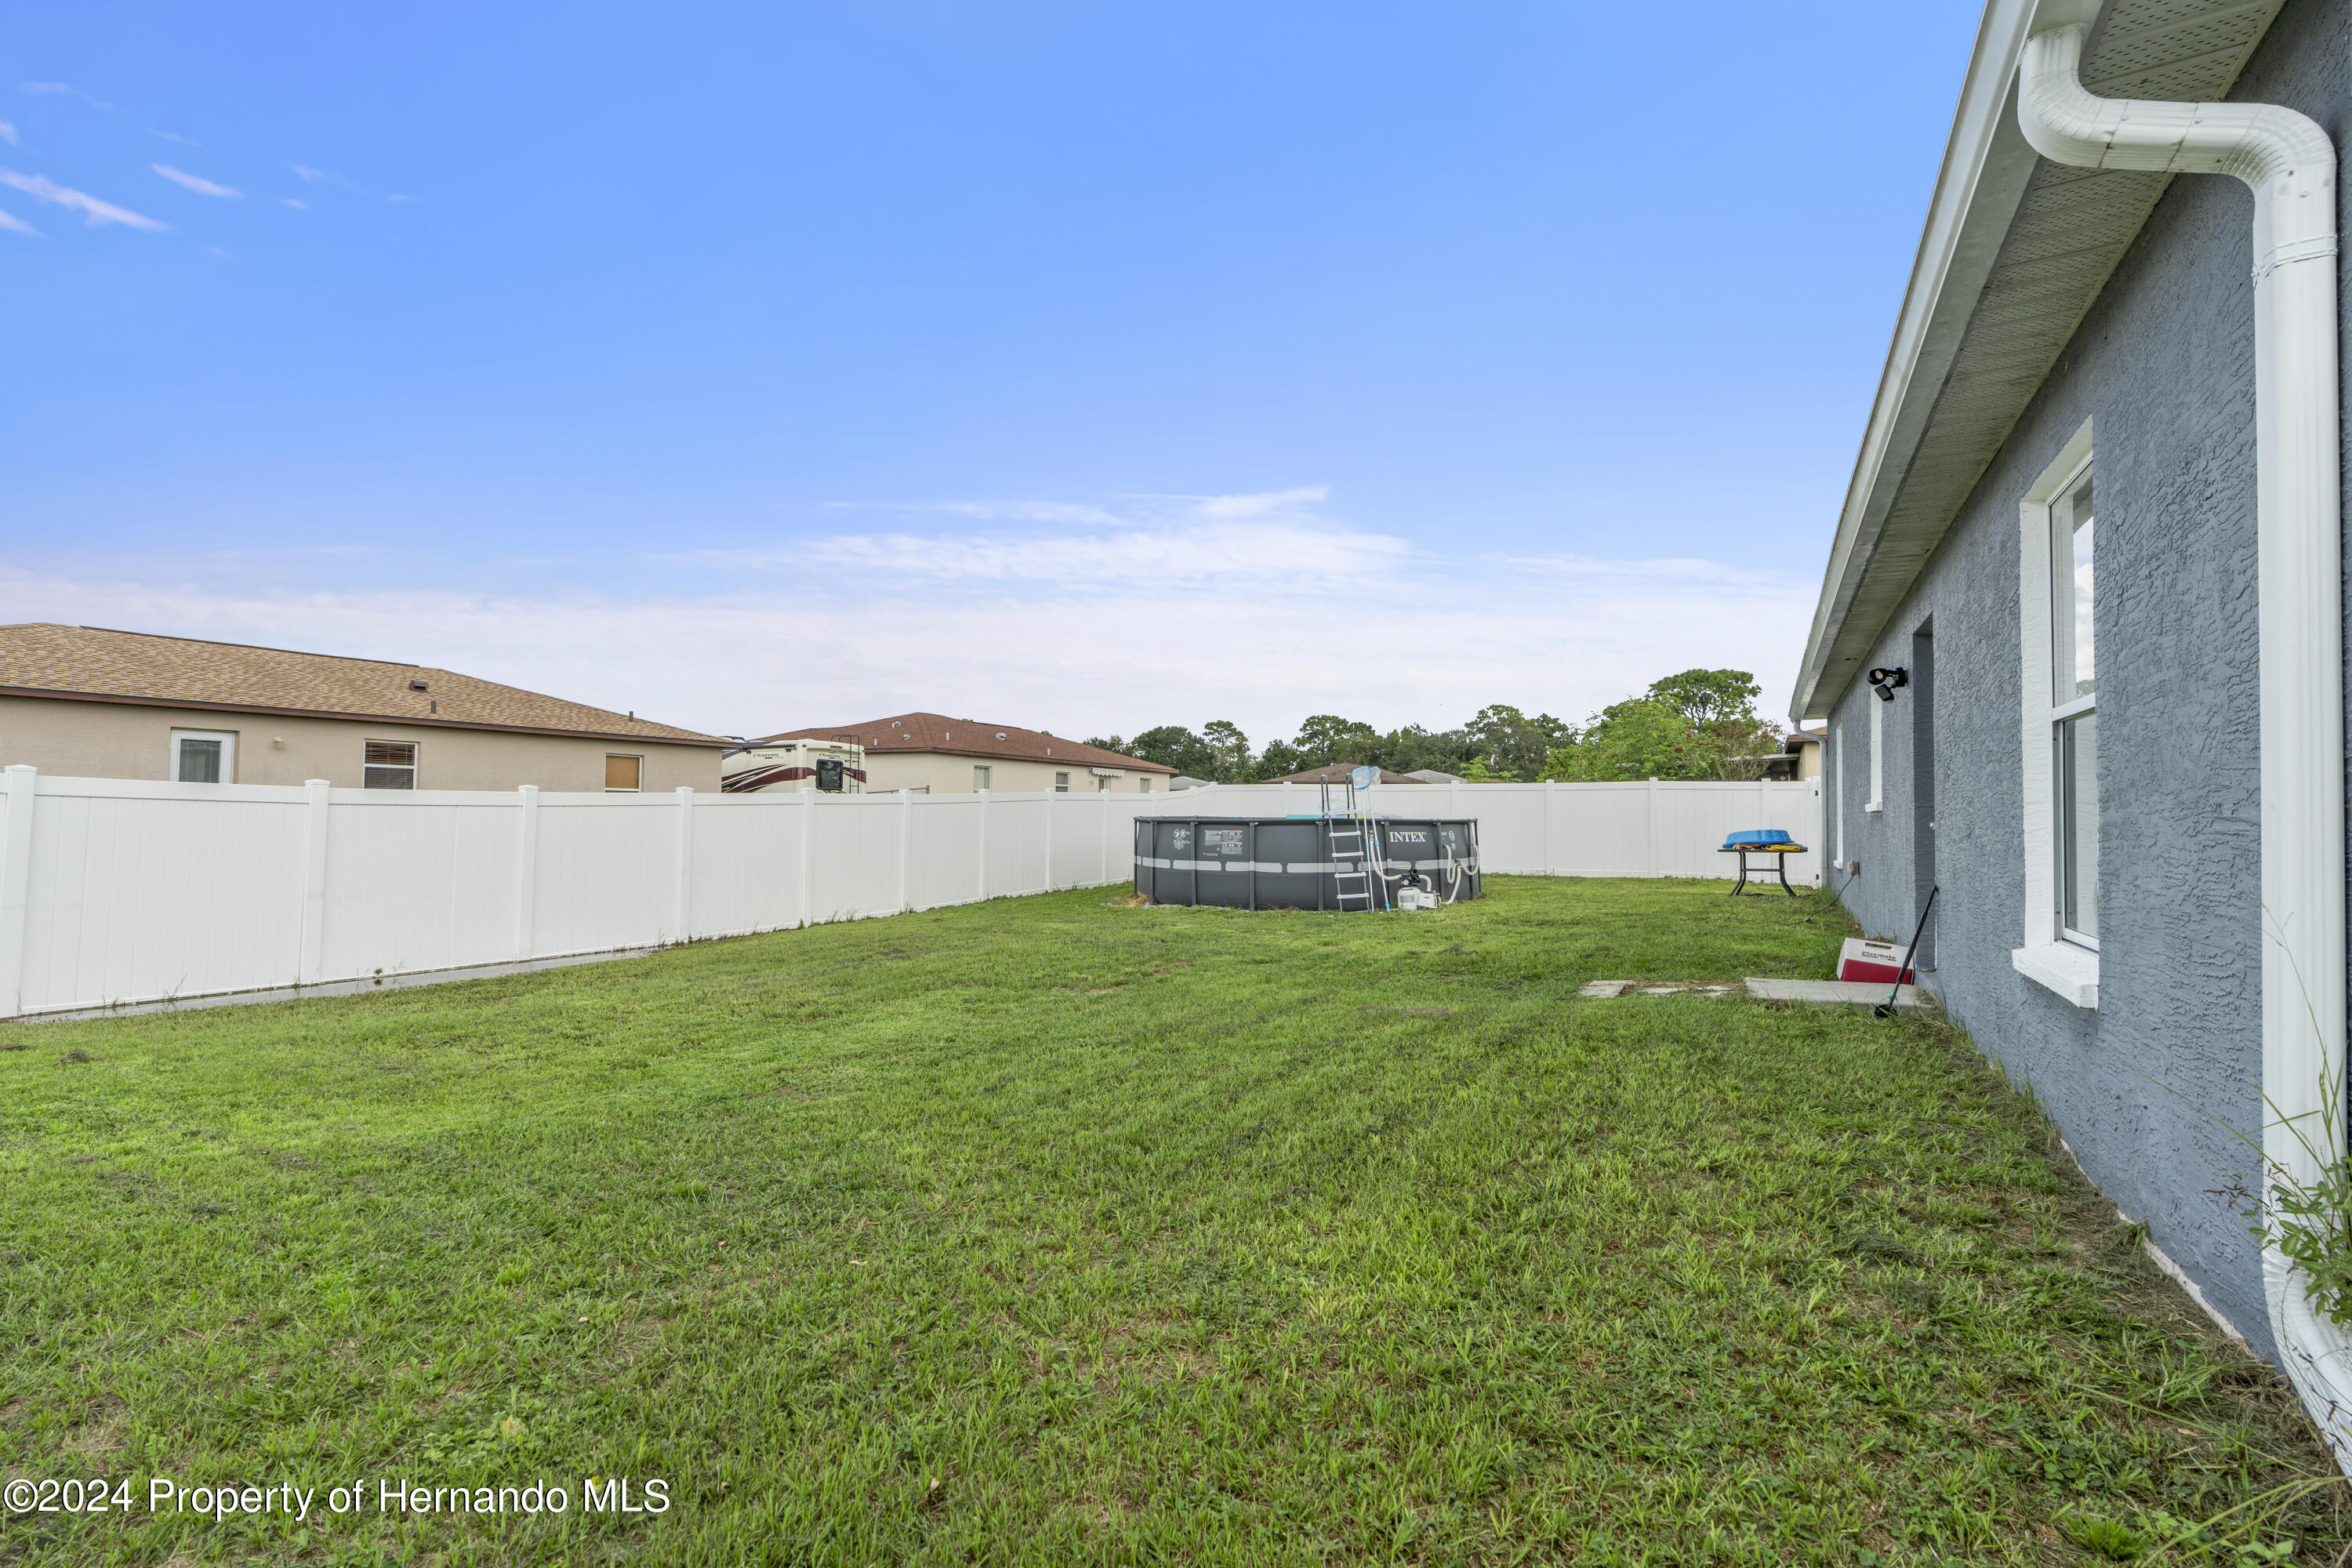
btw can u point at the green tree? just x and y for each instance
(1412, 748)
(1229, 750)
(1721, 703)
(1326, 739)
(1172, 746)
(1636, 738)
(1279, 758)
(1511, 744)
(1706, 696)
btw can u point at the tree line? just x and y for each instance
(1700, 724)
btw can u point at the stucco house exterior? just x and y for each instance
(932, 753)
(89, 702)
(2078, 649)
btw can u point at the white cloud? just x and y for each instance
(59, 88)
(291, 202)
(1591, 567)
(195, 182)
(95, 211)
(1076, 637)
(15, 225)
(182, 141)
(8, 132)
(308, 174)
(1019, 512)
(1133, 558)
(1259, 503)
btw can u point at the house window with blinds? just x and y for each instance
(624, 775)
(390, 764)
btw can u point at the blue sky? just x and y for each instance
(1084, 366)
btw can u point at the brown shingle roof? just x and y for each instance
(93, 664)
(968, 738)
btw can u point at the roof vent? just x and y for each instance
(417, 685)
(999, 735)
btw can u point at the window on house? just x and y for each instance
(1877, 801)
(2073, 712)
(1061, 784)
(389, 765)
(1143, 784)
(2059, 756)
(204, 756)
(1101, 783)
(980, 777)
(624, 775)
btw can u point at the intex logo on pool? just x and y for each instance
(1407, 835)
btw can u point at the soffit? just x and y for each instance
(2017, 250)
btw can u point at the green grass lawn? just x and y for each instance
(1056, 1230)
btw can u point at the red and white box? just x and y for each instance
(1873, 961)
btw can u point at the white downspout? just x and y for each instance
(2290, 163)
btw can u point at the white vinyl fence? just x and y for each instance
(118, 891)
(1650, 828)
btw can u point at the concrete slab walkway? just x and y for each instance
(1862, 993)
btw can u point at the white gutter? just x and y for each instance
(2290, 164)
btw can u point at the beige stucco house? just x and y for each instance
(91, 703)
(932, 753)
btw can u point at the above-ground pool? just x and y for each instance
(1346, 863)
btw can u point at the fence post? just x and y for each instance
(526, 933)
(15, 887)
(1550, 801)
(310, 957)
(685, 930)
(1049, 841)
(1103, 877)
(906, 850)
(808, 854)
(982, 897)
(1650, 825)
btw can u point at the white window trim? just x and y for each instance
(227, 738)
(1877, 801)
(640, 756)
(2070, 968)
(415, 763)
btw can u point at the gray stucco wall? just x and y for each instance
(2163, 365)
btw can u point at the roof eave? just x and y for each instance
(1986, 167)
(429, 721)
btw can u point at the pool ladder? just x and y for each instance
(1350, 838)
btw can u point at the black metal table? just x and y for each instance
(1779, 854)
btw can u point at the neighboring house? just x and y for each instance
(1432, 776)
(931, 754)
(1800, 758)
(91, 703)
(1186, 781)
(1338, 774)
(2127, 783)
